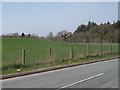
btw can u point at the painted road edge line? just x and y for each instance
(81, 81)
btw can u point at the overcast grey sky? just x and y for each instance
(41, 18)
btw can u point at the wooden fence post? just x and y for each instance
(71, 54)
(50, 54)
(101, 52)
(88, 49)
(23, 56)
(111, 48)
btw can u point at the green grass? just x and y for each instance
(36, 52)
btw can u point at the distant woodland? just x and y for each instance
(90, 33)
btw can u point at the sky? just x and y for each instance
(43, 17)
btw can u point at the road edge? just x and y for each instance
(52, 68)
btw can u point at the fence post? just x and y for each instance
(23, 56)
(50, 54)
(111, 48)
(71, 54)
(88, 49)
(101, 52)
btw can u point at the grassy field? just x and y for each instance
(37, 52)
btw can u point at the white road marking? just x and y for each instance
(36, 74)
(81, 81)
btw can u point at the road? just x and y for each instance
(96, 75)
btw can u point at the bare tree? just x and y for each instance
(50, 36)
(62, 35)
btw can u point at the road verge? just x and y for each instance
(52, 68)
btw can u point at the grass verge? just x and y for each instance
(12, 69)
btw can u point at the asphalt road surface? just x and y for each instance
(96, 75)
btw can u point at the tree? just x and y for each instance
(29, 35)
(93, 32)
(50, 35)
(62, 35)
(81, 28)
(108, 22)
(15, 35)
(34, 36)
(22, 35)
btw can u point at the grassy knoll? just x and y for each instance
(37, 53)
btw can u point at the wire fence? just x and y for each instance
(57, 54)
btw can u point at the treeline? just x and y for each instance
(22, 35)
(92, 33)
